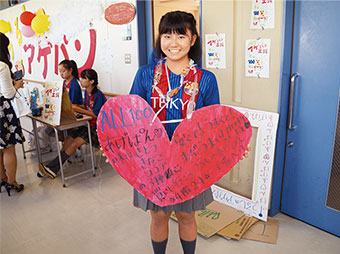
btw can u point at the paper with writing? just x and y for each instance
(202, 149)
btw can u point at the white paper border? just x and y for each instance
(266, 122)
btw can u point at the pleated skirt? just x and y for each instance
(197, 203)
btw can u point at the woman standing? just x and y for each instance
(10, 129)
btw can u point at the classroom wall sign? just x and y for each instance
(262, 14)
(120, 13)
(215, 51)
(257, 58)
(86, 38)
(43, 50)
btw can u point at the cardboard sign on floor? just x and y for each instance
(215, 217)
(230, 223)
(236, 229)
(263, 231)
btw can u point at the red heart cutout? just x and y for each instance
(202, 150)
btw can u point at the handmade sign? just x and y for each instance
(120, 13)
(266, 124)
(262, 14)
(52, 96)
(215, 50)
(257, 58)
(202, 150)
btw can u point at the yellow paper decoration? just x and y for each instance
(40, 22)
(5, 26)
(18, 32)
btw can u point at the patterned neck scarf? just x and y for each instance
(162, 89)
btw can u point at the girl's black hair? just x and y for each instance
(179, 22)
(91, 74)
(70, 64)
(4, 53)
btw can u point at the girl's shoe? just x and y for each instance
(47, 171)
(14, 186)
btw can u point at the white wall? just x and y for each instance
(232, 18)
(74, 19)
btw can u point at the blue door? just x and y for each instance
(314, 100)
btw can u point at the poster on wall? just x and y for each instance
(257, 58)
(215, 51)
(52, 96)
(262, 14)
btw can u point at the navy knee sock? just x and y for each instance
(188, 247)
(54, 164)
(159, 247)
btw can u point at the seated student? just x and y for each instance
(69, 72)
(94, 100)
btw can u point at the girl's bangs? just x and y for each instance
(83, 75)
(173, 27)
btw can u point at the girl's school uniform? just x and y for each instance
(74, 91)
(206, 94)
(92, 103)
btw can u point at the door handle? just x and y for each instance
(291, 101)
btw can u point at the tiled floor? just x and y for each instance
(96, 215)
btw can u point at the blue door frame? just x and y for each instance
(285, 74)
(144, 26)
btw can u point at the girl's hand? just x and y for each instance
(18, 83)
(107, 160)
(246, 153)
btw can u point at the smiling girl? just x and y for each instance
(174, 87)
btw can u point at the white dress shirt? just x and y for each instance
(6, 83)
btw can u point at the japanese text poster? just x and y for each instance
(257, 58)
(215, 51)
(52, 102)
(262, 14)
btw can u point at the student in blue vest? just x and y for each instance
(94, 100)
(175, 78)
(69, 73)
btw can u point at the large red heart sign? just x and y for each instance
(202, 150)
